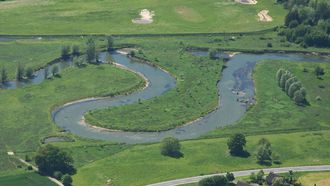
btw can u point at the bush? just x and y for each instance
(67, 180)
(171, 147)
(29, 168)
(58, 175)
(269, 45)
(65, 54)
(214, 181)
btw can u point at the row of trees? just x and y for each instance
(293, 88)
(237, 142)
(308, 22)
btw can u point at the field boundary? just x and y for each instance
(143, 35)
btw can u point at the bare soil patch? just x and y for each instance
(146, 17)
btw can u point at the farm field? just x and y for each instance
(60, 17)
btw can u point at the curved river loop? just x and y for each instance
(235, 89)
(236, 93)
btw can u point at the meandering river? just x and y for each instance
(236, 93)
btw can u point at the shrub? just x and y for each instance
(171, 147)
(67, 180)
(58, 175)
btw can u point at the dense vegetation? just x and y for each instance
(308, 22)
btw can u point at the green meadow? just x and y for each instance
(115, 17)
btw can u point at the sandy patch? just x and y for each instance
(247, 2)
(146, 17)
(188, 14)
(264, 17)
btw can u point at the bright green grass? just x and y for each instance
(275, 111)
(114, 17)
(143, 164)
(26, 179)
(34, 104)
(194, 96)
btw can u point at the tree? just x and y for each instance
(264, 154)
(29, 72)
(55, 70)
(65, 53)
(279, 74)
(50, 159)
(279, 181)
(171, 147)
(214, 181)
(4, 75)
(260, 177)
(213, 54)
(236, 144)
(293, 88)
(20, 72)
(230, 176)
(299, 97)
(110, 42)
(319, 71)
(284, 78)
(91, 50)
(58, 175)
(288, 83)
(75, 50)
(67, 180)
(46, 74)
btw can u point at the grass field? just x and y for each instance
(114, 17)
(26, 179)
(189, 100)
(144, 164)
(275, 111)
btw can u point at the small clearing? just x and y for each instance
(247, 2)
(146, 17)
(264, 17)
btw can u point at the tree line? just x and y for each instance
(308, 22)
(292, 86)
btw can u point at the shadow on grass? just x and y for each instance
(244, 154)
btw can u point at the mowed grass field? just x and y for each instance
(115, 17)
(143, 164)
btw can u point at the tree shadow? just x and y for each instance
(243, 154)
(176, 155)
